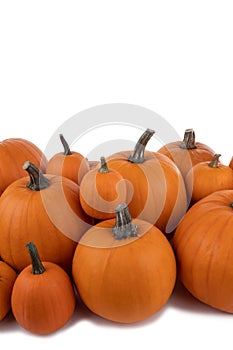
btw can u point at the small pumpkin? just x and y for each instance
(203, 244)
(43, 298)
(68, 163)
(155, 188)
(13, 153)
(7, 279)
(207, 177)
(185, 154)
(124, 269)
(101, 190)
(45, 209)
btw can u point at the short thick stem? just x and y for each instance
(124, 227)
(189, 140)
(137, 155)
(37, 180)
(37, 266)
(103, 166)
(67, 151)
(215, 161)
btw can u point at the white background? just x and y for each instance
(174, 57)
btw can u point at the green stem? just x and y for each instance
(215, 161)
(103, 166)
(67, 151)
(189, 140)
(137, 155)
(37, 180)
(124, 227)
(37, 266)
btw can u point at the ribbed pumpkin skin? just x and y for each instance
(186, 159)
(73, 166)
(101, 193)
(203, 244)
(7, 279)
(156, 191)
(43, 303)
(52, 218)
(203, 180)
(13, 153)
(124, 281)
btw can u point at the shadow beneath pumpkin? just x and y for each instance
(182, 300)
(9, 324)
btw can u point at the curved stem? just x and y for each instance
(137, 155)
(37, 180)
(67, 151)
(215, 161)
(124, 227)
(189, 140)
(37, 266)
(103, 166)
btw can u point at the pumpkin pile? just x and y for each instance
(114, 234)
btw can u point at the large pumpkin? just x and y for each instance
(156, 192)
(208, 177)
(7, 280)
(45, 209)
(124, 269)
(101, 190)
(203, 244)
(68, 163)
(13, 153)
(43, 298)
(185, 154)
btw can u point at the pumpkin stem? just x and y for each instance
(37, 180)
(124, 227)
(103, 166)
(37, 266)
(231, 205)
(189, 140)
(137, 155)
(67, 151)
(215, 161)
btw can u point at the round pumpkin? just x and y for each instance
(68, 163)
(208, 177)
(155, 188)
(124, 269)
(101, 190)
(13, 153)
(203, 244)
(45, 209)
(43, 298)
(7, 279)
(185, 154)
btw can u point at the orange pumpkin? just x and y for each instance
(101, 190)
(207, 177)
(43, 298)
(124, 269)
(70, 164)
(45, 209)
(203, 244)
(13, 153)
(185, 154)
(7, 279)
(155, 192)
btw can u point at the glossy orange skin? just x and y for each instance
(43, 303)
(52, 218)
(156, 191)
(128, 280)
(203, 244)
(7, 279)
(186, 159)
(203, 180)
(73, 166)
(101, 193)
(13, 153)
